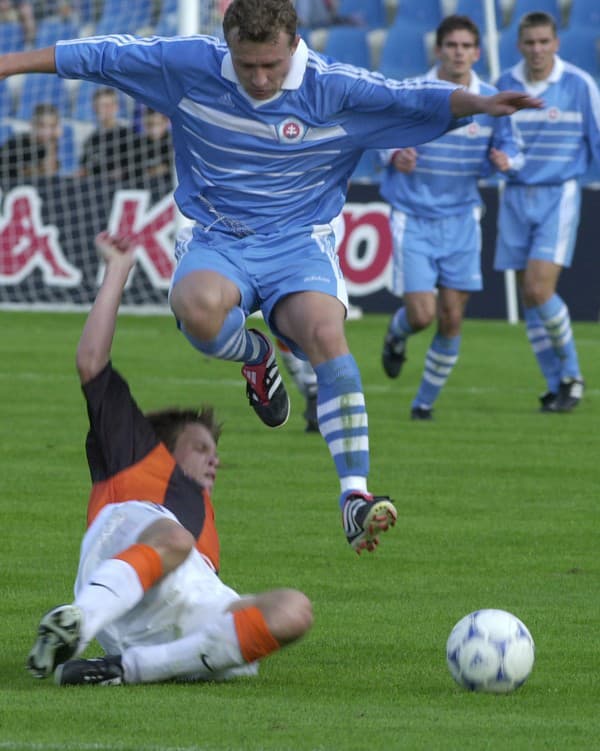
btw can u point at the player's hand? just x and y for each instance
(499, 159)
(509, 102)
(115, 248)
(405, 160)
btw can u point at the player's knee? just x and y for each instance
(292, 617)
(328, 338)
(172, 542)
(199, 310)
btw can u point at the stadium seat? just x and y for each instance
(120, 17)
(585, 13)
(39, 88)
(6, 99)
(348, 44)
(476, 12)
(404, 54)
(166, 25)
(371, 12)
(508, 51)
(6, 132)
(83, 108)
(67, 151)
(369, 168)
(425, 14)
(521, 7)
(50, 30)
(11, 37)
(580, 47)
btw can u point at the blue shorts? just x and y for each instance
(430, 253)
(537, 221)
(265, 268)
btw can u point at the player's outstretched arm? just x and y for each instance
(30, 61)
(93, 351)
(463, 103)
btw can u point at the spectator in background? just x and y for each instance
(108, 150)
(33, 154)
(315, 14)
(30, 12)
(153, 152)
(8, 12)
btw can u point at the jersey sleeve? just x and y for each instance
(119, 434)
(156, 70)
(394, 114)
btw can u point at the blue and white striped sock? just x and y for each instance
(233, 342)
(343, 421)
(440, 359)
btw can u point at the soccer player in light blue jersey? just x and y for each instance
(540, 206)
(266, 134)
(436, 209)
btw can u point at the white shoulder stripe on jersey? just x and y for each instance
(250, 127)
(121, 40)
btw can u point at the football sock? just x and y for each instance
(233, 342)
(399, 324)
(557, 322)
(301, 371)
(115, 587)
(343, 420)
(541, 344)
(231, 639)
(440, 359)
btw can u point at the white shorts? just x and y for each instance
(176, 606)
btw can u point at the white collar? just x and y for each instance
(520, 74)
(474, 84)
(293, 80)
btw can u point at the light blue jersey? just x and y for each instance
(246, 166)
(560, 140)
(444, 181)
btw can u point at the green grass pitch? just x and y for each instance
(498, 507)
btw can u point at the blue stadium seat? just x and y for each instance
(120, 17)
(521, 7)
(50, 30)
(6, 99)
(426, 14)
(403, 54)
(585, 13)
(67, 151)
(6, 132)
(86, 11)
(476, 12)
(580, 47)
(508, 51)
(369, 168)
(12, 38)
(39, 88)
(83, 108)
(372, 12)
(166, 25)
(348, 44)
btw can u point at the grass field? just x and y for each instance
(498, 507)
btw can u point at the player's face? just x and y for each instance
(261, 66)
(457, 54)
(196, 453)
(538, 45)
(47, 128)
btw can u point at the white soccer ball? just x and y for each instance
(490, 651)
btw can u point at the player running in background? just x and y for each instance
(435, 219)
(148, 587)
(540, 206)
(266, 134)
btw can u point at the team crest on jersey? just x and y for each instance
(553, 114)
(472, 130)
(291, 130)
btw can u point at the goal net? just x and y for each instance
(77, 158)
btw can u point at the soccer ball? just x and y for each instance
(490, 651)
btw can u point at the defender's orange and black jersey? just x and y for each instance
(128, 463)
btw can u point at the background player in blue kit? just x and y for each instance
(436, 209)
(266, 134)
(540, 206)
